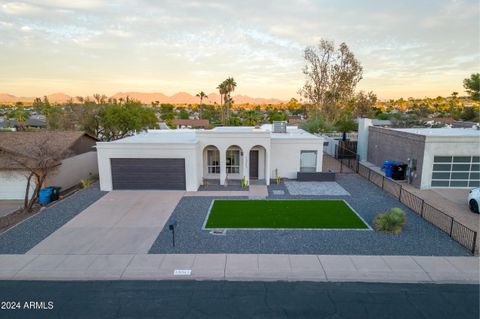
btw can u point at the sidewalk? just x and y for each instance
(335, 268)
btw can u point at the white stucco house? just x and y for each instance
(183, 159)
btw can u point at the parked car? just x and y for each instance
(474, 199)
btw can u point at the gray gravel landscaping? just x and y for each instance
(315, 188)
(26, 235)
(418, 237)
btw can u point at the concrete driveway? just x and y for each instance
(121, 222)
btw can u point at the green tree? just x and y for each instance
(37, 105)
(472, 86)
(183, 114)
(115, 119)
(345, 124)
(167, 112)
(120, 120)
(276, 115)
(364, 104)
(251, 117)
(21, 116)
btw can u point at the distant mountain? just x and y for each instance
(147, 98)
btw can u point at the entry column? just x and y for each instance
(223, 165)
(246, 165)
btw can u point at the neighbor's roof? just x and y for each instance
(32, 121)
(443, 131)
(21, 143)
(183, 136)
(194, 122)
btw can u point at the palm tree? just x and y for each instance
(228, 86)
(201, 95)
(222, 90)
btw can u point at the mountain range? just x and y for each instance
(147, 98)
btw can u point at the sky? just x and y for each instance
(407, 48)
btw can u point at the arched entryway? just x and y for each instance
(234, 162)
(257, 164)
(211, 160)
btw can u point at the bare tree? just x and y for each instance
(331, 77)
(39, 158)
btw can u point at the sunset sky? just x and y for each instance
(407, 48)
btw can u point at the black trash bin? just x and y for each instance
(399, 171)
(55, 192)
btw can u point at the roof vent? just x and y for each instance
(279, 127)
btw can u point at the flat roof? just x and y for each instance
(443, 131)
(188, 136)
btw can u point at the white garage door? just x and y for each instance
(456, 171)
(12, 185)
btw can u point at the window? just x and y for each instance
(308, 161)
(213, 160)
(233, 162)
(456, 171)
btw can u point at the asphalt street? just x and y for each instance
(224, 299)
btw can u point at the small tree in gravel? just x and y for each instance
(41, 157)
(391, 221)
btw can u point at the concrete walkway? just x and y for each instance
(121, 222)
(253, 191)
(396, 269)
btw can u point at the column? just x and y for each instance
(246, 165)
(267, 167)
(223, 165)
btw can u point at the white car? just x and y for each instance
(474, 199)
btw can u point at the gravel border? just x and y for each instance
(419, 237)
(24, 236)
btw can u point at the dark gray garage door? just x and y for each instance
(148, 173)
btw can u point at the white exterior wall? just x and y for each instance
(13, 185)
(332, 143)
(106, 151)
(285, 156)
(74, 169)
(281, 153)
(445, 146)
(362, 144)
(244, 140)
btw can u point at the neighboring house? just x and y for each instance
(445, 157)
(295, 119)
(191, 123)
(80, 160)
(182, 159)
(35, 121)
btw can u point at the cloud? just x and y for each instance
(398, 43)
(20, 8)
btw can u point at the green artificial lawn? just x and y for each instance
(283, 214)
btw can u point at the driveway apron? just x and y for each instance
(122, 222)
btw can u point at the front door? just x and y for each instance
(253, 164)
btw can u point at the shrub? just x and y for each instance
(277, 177)
(85, 183)
(391, 221)
(244, 183)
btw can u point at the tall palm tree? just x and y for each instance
(228, 86)
(201, 95)
(222, 90)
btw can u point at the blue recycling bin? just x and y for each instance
(387, 166)
(45, 196)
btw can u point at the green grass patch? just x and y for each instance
(326, 214)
